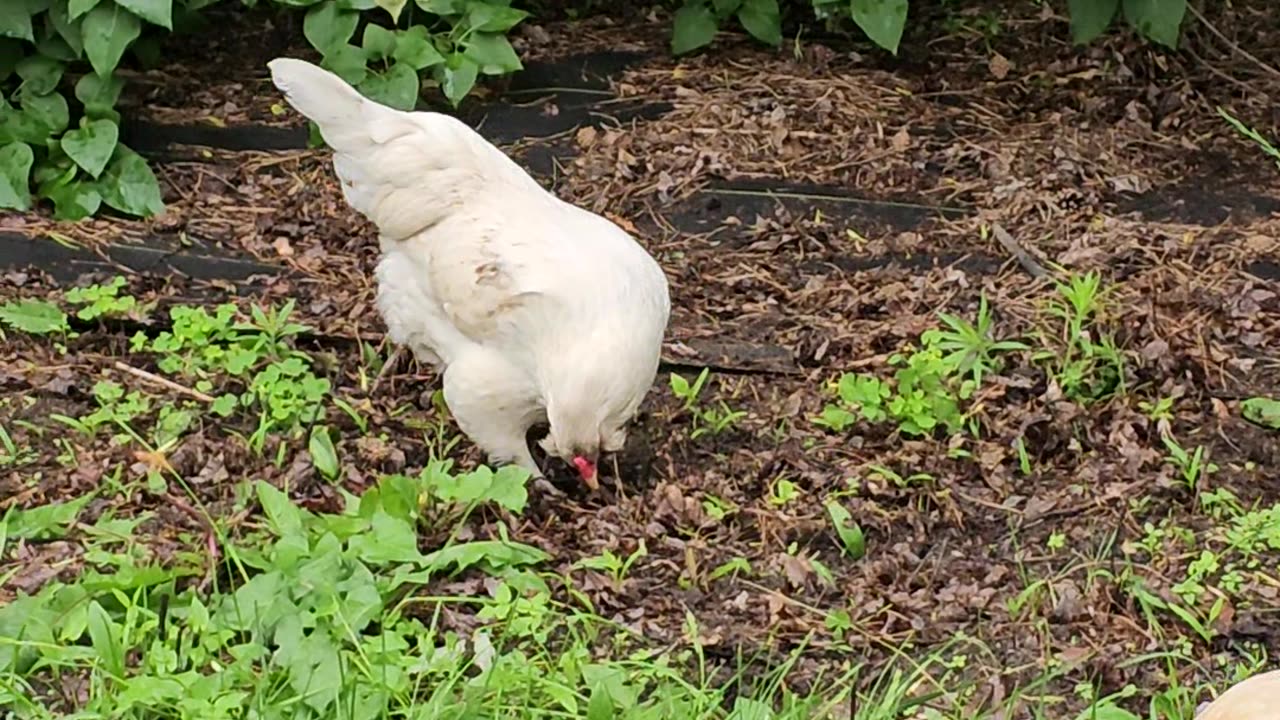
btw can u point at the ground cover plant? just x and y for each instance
(968, 408)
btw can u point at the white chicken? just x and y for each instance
(534, 310)
(1256, 698)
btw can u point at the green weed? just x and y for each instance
(1081, 356)
(706, 420)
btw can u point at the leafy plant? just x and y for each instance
(1081, 355)
(696, 22)
(706, 420)
(928, 389)
(850, 533)
(37, 317)
(102, 300)
(1191, 466)
(385, 64)
(61, 77)
(324, 456)
(970, 347)
(783, 492)
(115, 407)
(1157, 20)
(925, 394)
(617, 567)
(1262, 411)
(1251, 134)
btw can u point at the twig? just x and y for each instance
(165, 382)
(1244, 53)
(1024, 258)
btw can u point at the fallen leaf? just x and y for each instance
(999, 66)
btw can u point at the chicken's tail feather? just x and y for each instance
(326, 99)
(404, 171)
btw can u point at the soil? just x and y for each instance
(815, 207)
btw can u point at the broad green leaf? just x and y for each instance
(599, 704)
(18, 126)
(762, 19)
(76, 8)
(850, 534)
(378, 42)
(257, 605)
(389, 540)
(224, 405)
(156, 12)
(459, 78)
(74, 201)
(108, 31)
(347, 62)
(486, 17)
(15, 169)
(361, 603)
(129, 186)
(414, 48)
(882, 21)
(283, 516)
(317, 674)
(327, 28)
(1158, 20)
(15, 20)
(442, 7)
(40, 75)
(725, 8)
(1106, 711)
(323, 454)
(98, 94)
(693, 27)
(357, 4)
(1263, 411)
(494, 553)
(105, 637)
(493, 53)
(679, 386)
(51, 521)
(1090, 18)
(60, 18)
(397, 87)
(508, 488)
(393, 7)
(49, 110)
(750, 709)
(92, 145)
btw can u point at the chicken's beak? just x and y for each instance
(587, 470)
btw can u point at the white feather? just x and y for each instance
(532, 307)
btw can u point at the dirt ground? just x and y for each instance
(814, 207)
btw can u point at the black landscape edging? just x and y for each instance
(499, 124)
(577, 87)
(64, 264)
(746, 199)
(586, 71)
(1205, 202)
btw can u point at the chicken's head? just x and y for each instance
(582, 449)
